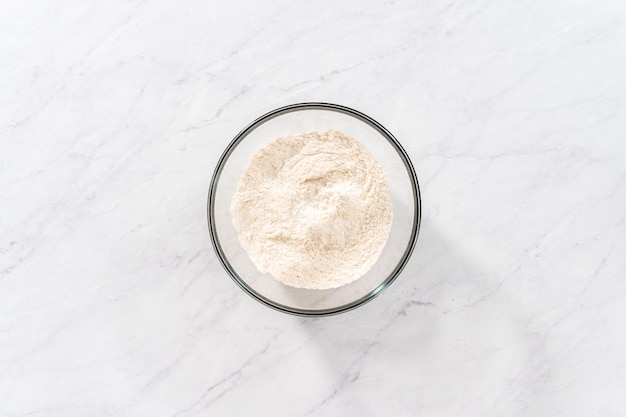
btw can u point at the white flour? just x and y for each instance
(313, 209)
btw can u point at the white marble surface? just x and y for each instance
(113, 115)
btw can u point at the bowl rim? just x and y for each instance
(417, 214)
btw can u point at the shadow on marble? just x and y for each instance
(445, 321)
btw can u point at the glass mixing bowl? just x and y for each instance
(405, 197)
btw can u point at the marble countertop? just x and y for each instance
(113, 115)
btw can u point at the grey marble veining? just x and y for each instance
(113, 115)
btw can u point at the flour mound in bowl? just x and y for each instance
(313, 210)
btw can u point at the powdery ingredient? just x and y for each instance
(313, 210)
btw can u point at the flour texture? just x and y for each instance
(313, 210)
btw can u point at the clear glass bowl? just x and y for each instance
(405, 197)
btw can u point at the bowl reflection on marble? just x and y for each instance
(405, 197)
